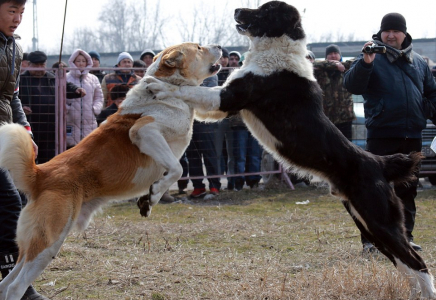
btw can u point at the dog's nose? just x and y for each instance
(237, 11)
(218, 46)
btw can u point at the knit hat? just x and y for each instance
(37, 57)
(235, 53)
(241, 60)
(147, 51)
(225, 52)
(25, 56)
(94, 54)
(393, 21)
(332, 48)
(124, 55)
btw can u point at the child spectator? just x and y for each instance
(95, 56)
(147, 57)
(139, 64)
(118, 94)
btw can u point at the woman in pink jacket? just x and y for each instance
(82, 112)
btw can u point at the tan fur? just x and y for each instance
(139, 124)
(134, 149)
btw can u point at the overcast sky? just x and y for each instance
(319, 17)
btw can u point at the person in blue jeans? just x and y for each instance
(202, 148)
(247, 154)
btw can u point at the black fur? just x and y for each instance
(253, 20)
(290, 107)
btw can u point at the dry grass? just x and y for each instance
(245, 245)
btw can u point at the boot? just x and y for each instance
(7, 263)
(32, 294)
(166, 198)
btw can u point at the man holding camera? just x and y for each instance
(393, 85)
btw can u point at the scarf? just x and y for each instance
(394, 54)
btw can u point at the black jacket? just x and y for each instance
(393, 100)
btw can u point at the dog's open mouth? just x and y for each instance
(241, 27)
(215, 68)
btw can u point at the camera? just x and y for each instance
(374, 49)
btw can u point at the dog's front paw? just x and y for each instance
(150, 79)
(144, 206)
(162, 90)
(155, 193)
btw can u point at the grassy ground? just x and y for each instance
(239, 245)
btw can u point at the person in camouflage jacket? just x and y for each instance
(338, 103)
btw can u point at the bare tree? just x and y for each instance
(130, 27)
(212, 25)
(135, 26)
(145, 29)
(114, 26)
(83, 38)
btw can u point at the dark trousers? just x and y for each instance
(183, 183)
(345, 128)
(202, 146)
(405, 191)
(10, 208)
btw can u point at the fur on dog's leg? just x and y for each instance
(410, 275)
(203, 99)
(10, 278)
(42, 228)
(426, 280)
(390, 239)
(31, 269)
(423, 278)
(150, 140)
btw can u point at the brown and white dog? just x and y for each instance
(281, 104)
(123, 158)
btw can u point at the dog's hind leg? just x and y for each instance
(42, 228)
(32, 268)
(390, 239)
(418, 281)
(10, 278)
(149, 139)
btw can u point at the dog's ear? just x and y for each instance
(157, 56)
(174, 59)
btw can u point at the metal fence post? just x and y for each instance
(61, 93)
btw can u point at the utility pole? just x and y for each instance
(35, 28)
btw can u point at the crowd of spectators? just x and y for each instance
(223, 148)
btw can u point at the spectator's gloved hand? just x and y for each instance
(81, 92)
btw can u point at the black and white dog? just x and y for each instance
(281, 104)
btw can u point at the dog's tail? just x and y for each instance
(401, 167)
(17, 156)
